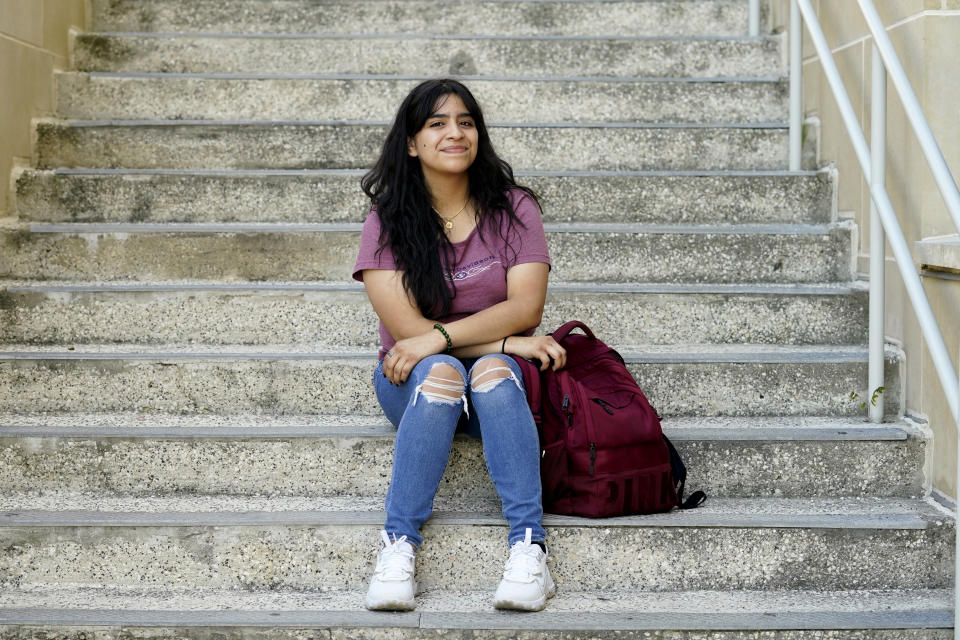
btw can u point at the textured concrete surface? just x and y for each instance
(348, 146)
(330, 319)
(814, 255)
(942, 252)
(330, 466)
(727, 17)
(797, 382)
(318, 196)
(83, 97)
(469, 556)
(94, 511)
(445, 614)
(663, 58)
(504, 631)
(698, 606)
(104, 424)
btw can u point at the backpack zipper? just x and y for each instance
(593, 456)
(565, 407)
(605, 405)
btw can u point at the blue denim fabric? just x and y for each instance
(499, 416)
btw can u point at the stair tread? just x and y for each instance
(426, 36)
(676, 610)
(371, 123)
(374, 77)
(294, 173)
(555, 286)
(630, 353)
(132, 425)
(355, 227)
(79, 509)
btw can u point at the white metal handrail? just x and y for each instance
(878, 192)
(882, 215)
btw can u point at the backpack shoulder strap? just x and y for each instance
(679, 469)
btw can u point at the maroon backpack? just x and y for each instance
(603, 452)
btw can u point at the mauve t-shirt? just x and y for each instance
(480, 271)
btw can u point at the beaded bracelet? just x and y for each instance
(446, 335)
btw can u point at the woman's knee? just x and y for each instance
(490, 371)
(444, 379)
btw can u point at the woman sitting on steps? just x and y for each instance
(454, 260)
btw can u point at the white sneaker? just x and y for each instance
(392, 586)
(526, 583)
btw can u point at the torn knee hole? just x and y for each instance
(490, 378)
(443, 384)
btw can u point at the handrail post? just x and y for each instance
(796, 87)
(754, 19)
(898, 244)
(878, 147)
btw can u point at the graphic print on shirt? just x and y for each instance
(473, 269)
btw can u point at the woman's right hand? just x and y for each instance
(406, 353)
(543, 348)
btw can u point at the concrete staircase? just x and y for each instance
(190, 445)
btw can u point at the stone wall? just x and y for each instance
(925, 34)
(33, 42)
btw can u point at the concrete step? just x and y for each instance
(329, 544)
(505, 17)
(725, 615)
(211, 97)
(90, 195)
(202, 144)
(459, 55)
(737, 380)
(333, 456)
(581, 253)
(335, 315)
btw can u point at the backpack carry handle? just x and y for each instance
(566, 328)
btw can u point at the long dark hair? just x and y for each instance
(408, 224)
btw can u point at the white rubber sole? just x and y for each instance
(390, 604)
(526, 605)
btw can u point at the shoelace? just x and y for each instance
(524, 562)
(395, 561)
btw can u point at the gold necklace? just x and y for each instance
(448, 222)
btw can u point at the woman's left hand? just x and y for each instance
(543, 348)
(406, 353)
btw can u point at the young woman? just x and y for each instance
(454, 260)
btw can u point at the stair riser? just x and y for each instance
(85, 98)
(306, 146)
(459, 557)
(46, 197)
(431, 57)
(344, 386)
(240, 632)
(458, 632)
(334, 320)
(576, 257)
(504, 18)
(337, 466)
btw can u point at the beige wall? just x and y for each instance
(926, 35)
(33, 42)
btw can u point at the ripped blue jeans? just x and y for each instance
(427, 408)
